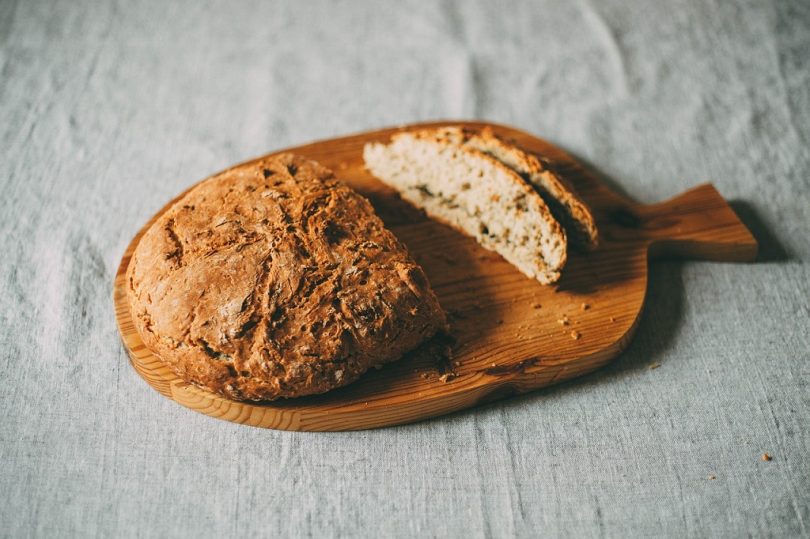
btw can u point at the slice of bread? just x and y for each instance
(476, 194)
(566, 206)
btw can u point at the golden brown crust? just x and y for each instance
(273, 279)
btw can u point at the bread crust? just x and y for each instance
(273, 279)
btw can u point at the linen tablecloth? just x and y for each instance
(109, 109)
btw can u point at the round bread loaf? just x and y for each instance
(273, 279)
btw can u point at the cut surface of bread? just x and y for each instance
(566, 206)
(273, 279)
(475, 193)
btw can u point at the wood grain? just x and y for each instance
(512, 334)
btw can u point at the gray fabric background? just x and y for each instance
(109, 109)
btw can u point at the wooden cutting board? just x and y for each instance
(512, 334)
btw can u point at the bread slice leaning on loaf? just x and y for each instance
(561, 198)
(475, 193)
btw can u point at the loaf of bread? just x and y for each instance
(273, 279)
(561, 198)
(474, 192)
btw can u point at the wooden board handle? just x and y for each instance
(696, 224)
